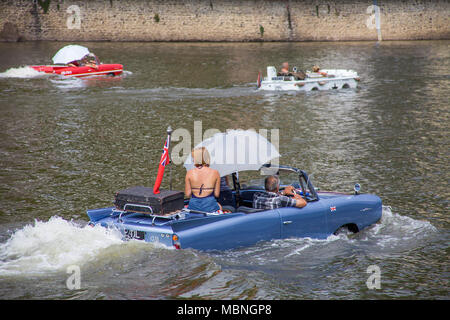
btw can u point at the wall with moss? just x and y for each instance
(223, 20)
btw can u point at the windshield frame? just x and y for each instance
(304, 180)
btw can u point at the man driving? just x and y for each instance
(285, 69)
(300, 75)
(273, 198)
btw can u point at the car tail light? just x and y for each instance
(176, 242)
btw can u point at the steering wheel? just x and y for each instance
(298, 190)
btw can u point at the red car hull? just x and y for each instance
(85, 71)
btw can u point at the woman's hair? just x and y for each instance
(200, 157)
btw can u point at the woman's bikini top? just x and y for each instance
(202, 188)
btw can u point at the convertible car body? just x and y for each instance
(83, 71)
(77, 61)
(323, 80)
(324, 214)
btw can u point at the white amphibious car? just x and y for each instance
(324, 80)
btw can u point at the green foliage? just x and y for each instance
(156, 18)
(45, 4)
(261, 30)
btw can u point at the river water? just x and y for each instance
(67, 145)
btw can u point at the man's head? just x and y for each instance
(285, 65)
(272, 184)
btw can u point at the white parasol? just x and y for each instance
(70, 53)
(236, 150)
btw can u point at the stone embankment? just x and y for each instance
(223, 20)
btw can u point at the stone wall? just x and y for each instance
(223, 20)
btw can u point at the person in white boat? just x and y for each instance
(316, 69)
(284, 69)
(300, 75)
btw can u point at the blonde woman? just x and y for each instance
(202, 184)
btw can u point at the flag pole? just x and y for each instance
(169, 133)
(165, 159)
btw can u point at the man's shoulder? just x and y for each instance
(260, 194)
(265, 194)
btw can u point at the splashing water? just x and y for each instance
(55, 244)
(52, 246)
(306, 263)
(397, 232)
(392, 233)
(22, 72)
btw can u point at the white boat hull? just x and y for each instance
(334, 79)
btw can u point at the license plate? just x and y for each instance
(134, 234)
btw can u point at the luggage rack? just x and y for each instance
(170, 216)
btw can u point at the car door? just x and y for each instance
(309, 221)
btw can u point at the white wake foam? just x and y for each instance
(397, 230)
(22, 72)
(393, 233)
(52, 246)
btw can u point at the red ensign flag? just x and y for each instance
(162, 163)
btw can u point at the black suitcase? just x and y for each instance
(165, 202)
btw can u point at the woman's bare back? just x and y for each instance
(202, 182)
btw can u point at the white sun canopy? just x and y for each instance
(235, 151)
(70, 53)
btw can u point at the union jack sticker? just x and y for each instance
(333, 209)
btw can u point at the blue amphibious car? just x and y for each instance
(324, 214)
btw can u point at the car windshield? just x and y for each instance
(255, 179)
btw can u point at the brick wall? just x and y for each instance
(222, 20)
